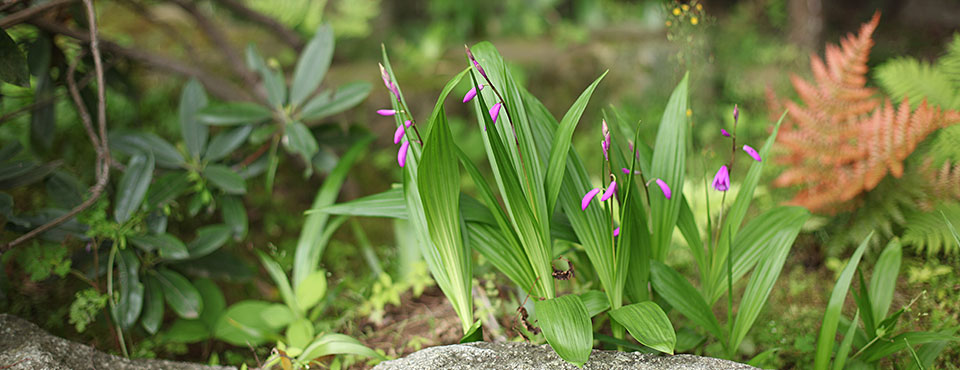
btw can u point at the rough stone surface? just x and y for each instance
(503, 356)
(24, 345)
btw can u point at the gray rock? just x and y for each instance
(24, 345)
(504, 356)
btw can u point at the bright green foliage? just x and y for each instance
(928, 231)
(40, 260)
(85, 307)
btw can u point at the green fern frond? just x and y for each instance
(929, 233)
(950, 63)
(946, 145)
(908, 77)
(884, 211)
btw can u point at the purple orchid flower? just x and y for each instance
(398, 135)
(605, 144)
(616, 232)
(472, 93)
(475, 64)
(752, 152)
(388, 82)
(588, 197)
(402, 153)
(724, 133)
(664, 188)
(495, 111)
(386, 112)
(721, 182)
(612, 188)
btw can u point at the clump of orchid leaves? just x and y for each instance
(541, 191)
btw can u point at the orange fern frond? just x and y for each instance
(944, 183)
(841, 139)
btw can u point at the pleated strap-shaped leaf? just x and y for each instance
(767, 272)
(519, 203)
(566, 326)
(677, 291)
(831, 316)
(734, 218)
(561, 143)
(311, 242)
(518, 150)
(883, 281)
(648, 324)
(776, 227)
(439, 186)
(669, 163)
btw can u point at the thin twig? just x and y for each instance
(282, 32)
(218, 87)
(100, 144)
(220, 41)
(164, 27)
(28, 13)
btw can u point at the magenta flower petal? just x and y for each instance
(386, 77)
(495, 112)
(752, 152)
(472, 93)
(407, 123)
(724, 133)
(610, 190)
(721, 181)
(616, 232)
(663, 187)
(386, 112)
(588, 197)
(397, 135)
(736, 114)
(626, 171)
(402, 153)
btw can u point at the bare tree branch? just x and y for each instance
(220, 41)
(100, 143)
(282, 32)
(30, 12)
(219, 87)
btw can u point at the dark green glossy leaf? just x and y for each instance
(13, 64)
(167, 188)
(345, 97)
(272, 79)
(132, 143)
(234, 215)
(214, 304)
(209, 238)
(182, 296)
(152, 305)
(168, 246)
(233, 113)
(298, 139)
(312, 65)
(225, 179)
(192, 99)
(127, 309)
(224, 143)
(64, 189)
(20, 173)
(133, 186)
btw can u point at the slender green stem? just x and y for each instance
(113, 304)
(730, 348)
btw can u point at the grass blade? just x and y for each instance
(310, 244)
(669, 158)
(831, 316)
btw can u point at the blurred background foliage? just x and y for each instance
(735, 50)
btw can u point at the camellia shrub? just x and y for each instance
(542, 192)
